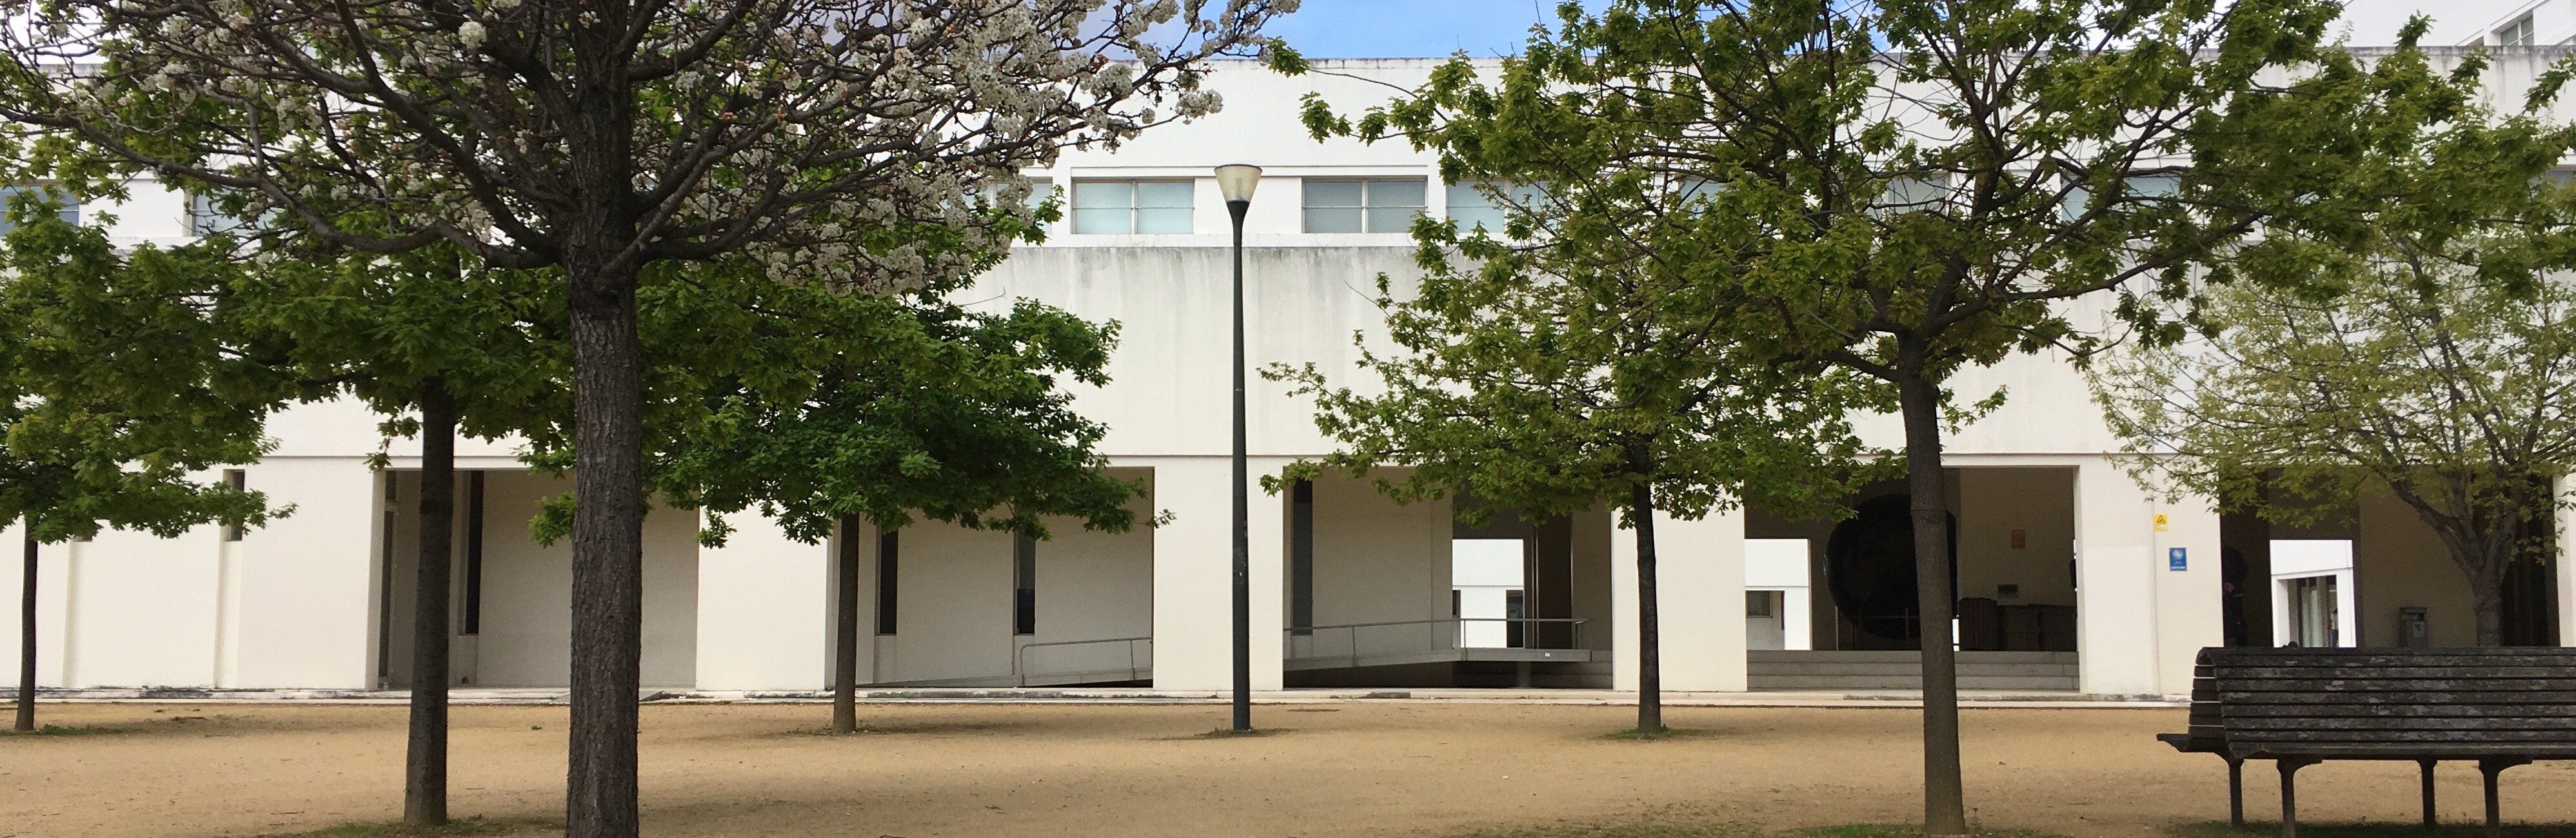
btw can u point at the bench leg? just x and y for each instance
(2427, 765)
(2491, 768)
(2290, 794)
(2235, 793)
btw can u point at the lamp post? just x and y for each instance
(1236, 183)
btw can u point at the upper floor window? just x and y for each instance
(1471, 206)
(1132, 206)
(1362, 206)
(65, 208)
(205, 218)
(2516, 34)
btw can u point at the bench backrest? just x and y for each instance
(2386, 702)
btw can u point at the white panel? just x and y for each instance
(1699, 592)
(1485, 562)
(2310, 556)
(1775, 563)
(760, 624)
(1193, 580)
(2139, 624)
(308, 580)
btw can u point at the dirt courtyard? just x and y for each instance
(1348, 769)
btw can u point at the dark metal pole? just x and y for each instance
(1242, 501)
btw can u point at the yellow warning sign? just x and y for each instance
(2160, 522)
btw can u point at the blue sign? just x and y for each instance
(2177, 559)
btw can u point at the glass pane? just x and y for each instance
(1164, 193)
(1395, 193)
(1332, 193)
(1392, 219)
(1465, 196)
(1469, 218)
(2156, 186)
(1102, 220)
(1103, 195)
(1332, 220)
(1163, 220)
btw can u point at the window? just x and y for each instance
(1472, 208)
(471, 622)
(885, 582)
(205, 218)
(1024, 585)
(1132, 206)
(64, 208)
(1906, 194)
(2516, 34)
(1759, 604)
(235, 480)
(1362, 206)
(1301, 558)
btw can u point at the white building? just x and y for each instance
(2072, 577)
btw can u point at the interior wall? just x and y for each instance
(953, 605)
(1377, 560)
(2399, 562)
(527, 591)
(141, 609)
(1590, 575)
(2039, 502)
(1094, 585)
(2251, 538)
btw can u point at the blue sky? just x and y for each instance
(1411, 28)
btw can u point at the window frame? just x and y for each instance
(1367, 208)
(1134, 209)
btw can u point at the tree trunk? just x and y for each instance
(607, 545)
(2486, 600)
(425, 770)
(1650, 674)
(1944, 800)
(845, 632)
(27, 636)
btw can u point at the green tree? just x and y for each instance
(820, 410)
(108, 427)
(1943, 179)
(600, 140)
(2436, 362)
(1556, 368)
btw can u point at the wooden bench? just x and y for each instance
(2498, 707)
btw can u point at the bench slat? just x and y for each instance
(2465, 725)
(2306, 673)
(2346, 711)
(2245, 685)
(2233, 699)
(2242, 735)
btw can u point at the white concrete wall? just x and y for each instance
(1700, 597)
(764, 615)
(527, 592)
(1193, 578)
(2139, 624)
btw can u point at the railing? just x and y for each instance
(1354, 641)
(1124, 658)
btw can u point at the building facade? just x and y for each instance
(2073, 578)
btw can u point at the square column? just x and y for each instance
(308, 581)
(2566, 546)
(53, 572)
(764, 608)
(1699, 594)
(1194, 577)
(2140, 623)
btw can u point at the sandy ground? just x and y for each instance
(1350, 769)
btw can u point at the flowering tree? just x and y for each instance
(816, 137)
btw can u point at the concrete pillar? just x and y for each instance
(308, 597)
(53, 565)
(1699, 593)
(2566, 564)
(2139, 622)
(764, 610)
(1193, 576)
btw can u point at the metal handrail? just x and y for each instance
(1020, 656)
(1433, 639)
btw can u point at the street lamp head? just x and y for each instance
(1236, 181)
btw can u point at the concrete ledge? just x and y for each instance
(557, 696)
